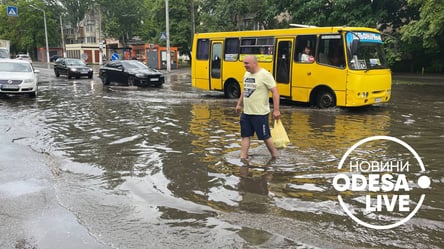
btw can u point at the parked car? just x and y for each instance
(24, 57)
(53, 58)
(18, 77)
(131, 72)
(72, 68)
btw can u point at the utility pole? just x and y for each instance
(193, 27)
(63, 37)
(100, 37)
(167, 21)
(46, 31)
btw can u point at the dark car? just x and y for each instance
(72, 68)
(54, 58)
(131, 72)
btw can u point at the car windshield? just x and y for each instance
(365, 51)
(133, 64)
(75, 62)
(15, 67)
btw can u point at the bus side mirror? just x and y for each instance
(354, 46)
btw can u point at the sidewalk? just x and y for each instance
(429, 78)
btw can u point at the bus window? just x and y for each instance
(305, 48)
(331, 51)
(203, 46)
(365, 51)
(283, 62)
(262, 47)
(231, 49)
(215, 60)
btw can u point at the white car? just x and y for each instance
(24, 57)
(18, 77)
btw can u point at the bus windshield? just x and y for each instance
(365, 51)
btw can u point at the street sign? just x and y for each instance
(84, 56)
(12, 11)
(163, 36)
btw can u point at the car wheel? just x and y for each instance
(105, 79)
(90, 76)
(57, 74)
(78, 77)
(33, 94)
(69, 75)
(131, 81)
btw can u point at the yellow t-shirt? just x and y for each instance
(256, 92)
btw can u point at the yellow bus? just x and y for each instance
(323, 66)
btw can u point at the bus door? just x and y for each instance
(282, 66)
(216, 65)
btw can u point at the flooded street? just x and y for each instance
(160, 168)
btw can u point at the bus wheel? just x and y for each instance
(325, 99)
(232, 90)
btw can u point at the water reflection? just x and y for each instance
(254, 189)
(319, 139)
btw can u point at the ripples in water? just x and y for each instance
(144, 164)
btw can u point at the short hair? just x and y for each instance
(253, 57)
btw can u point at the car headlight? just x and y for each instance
(28, 81)
(140, 75)
(73, 69)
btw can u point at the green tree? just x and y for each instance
(122, 19)
(386, 15)
(180, 23)
(425, 36)
(226, 15)
(26, 31)
(75, 10)
(221, 15)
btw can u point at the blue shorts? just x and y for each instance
(258, 124)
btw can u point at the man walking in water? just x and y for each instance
(258, 82)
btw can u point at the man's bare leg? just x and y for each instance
(245, 145)
(270, 146)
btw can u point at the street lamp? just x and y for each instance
(46, 31)
(167, 24)
(63, 37)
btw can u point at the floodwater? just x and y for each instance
(160, 168)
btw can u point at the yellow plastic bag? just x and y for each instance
(279, 135)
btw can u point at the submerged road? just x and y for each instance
(87, 166)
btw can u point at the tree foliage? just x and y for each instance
(122, 19)
(75, 10)
(26, 31)
(424, 35)
(180, 24)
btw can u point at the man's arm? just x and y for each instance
(239, 102)
(276, 99)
